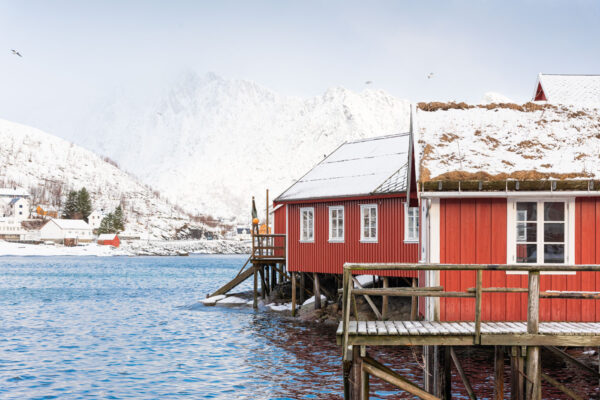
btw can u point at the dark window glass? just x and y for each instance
(554, 211)
(554, 232)
(526, 253)
(527, 211)
(526, 232)
(554, 253)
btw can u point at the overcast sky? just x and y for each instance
(75, 52)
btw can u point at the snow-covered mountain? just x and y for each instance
(210, 143)
(49, 167)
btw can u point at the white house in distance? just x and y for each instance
(95, 218)
(11, 193)
(11, 229)
(16, 208)
(57, 230)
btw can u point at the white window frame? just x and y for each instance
(332, 238)
(407, 237)
(310, 239)
(364, 239)
(511, 232)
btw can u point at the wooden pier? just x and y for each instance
(520, 340)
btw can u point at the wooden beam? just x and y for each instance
(498, 373)
(533, 367)
(442, 373)
(293, 294)
(255, 301)
(317, 291)
(478, 283)
(414, 302)
(570, 359)
(561, 387)
(367, 298)
(408, 292)
(393, 378)
(384, 300)
(463, 376)
(517, 381)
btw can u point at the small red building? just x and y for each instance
(510, 184)
(109, 239)
(568, 89)
(352, 207)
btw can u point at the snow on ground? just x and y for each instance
(232, 301)
(211, 301)
(92, 249)
(312, 300)
(279, 307)
(548, 140)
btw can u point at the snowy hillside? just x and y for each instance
(209, 144)
(49, 167)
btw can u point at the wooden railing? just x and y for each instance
(533, 289)
(268, 246)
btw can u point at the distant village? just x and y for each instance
(75, 224)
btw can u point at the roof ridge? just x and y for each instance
(542, 74)
(379, 137)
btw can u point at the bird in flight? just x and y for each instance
(430, 75)
(16, 53)
(368, 82)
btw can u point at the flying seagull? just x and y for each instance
(430, 75)
(368, 82)
(16, 53)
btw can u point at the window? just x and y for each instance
(541, 232)
(368, 223)
(336, 224)
(411, 223)
(307, 224)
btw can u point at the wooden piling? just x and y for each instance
(498, 373)
(533, 369)
(293, 294)
(302, 283)
(463, 376)
(517, 375)
(317, 291)
(384, 300)
(255, 301)
(273, 277)
(443, 374)
(414, 303)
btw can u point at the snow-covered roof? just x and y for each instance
(570, 89)
(71, 224)
(13, 192)
(507, 141)
(107, 236)
(377, 165)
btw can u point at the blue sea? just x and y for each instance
(133, 328)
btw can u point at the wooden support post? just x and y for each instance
(533, 368)
(442, 374)
(498, 373)
(317, 291)
(263, 286)
(302, 283)
(273, 277)
(463, 376)
(356, 373)
(517, 380)
(293, 294)
(414, 303)
(478, 286)
(364, 380)
(428, 354)
(384, 300)
(255, 302)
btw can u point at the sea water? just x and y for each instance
(133, 328)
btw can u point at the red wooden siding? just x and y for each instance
(474, 231)
(539, 93)
(279, 227)
(325, 257)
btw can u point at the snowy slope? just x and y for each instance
(209, 144)
(48, 166)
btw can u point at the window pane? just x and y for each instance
(526, 232)
(554, 232)
(526, 211)
(526, 253)
(373, 232)
(554, 211)
(554, 253)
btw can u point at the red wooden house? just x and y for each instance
(352, 207)
(109, 239)
(507, 184)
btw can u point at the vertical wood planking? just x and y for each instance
(468, 246)
(498, 254)
(483, 248)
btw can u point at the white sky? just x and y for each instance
(77, 52)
